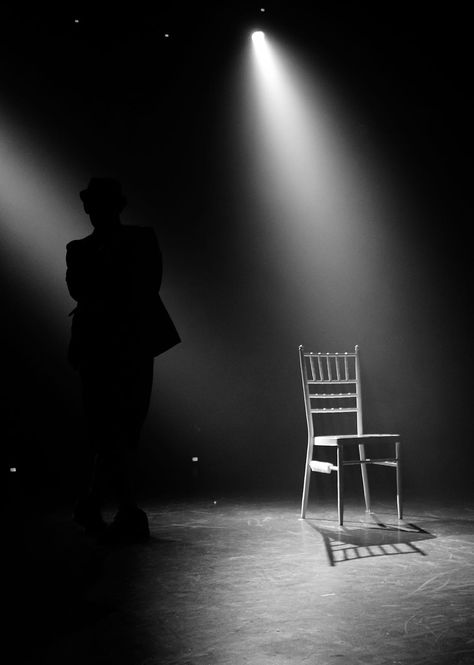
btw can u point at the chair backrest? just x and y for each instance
(321, 375)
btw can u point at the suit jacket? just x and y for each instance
(116, 281)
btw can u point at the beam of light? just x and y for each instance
(263, 53)
(258, 38)
(316, 188)
(39, 214)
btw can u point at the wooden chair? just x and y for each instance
(321, 373)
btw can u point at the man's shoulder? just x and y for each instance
(140, 236)
(125, 229)
(129, 235)
(74, 245)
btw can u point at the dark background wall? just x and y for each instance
(111, 95)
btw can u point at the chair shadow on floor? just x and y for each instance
(348, 543)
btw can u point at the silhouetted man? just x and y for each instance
(119, 325)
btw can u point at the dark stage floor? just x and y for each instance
(245, 581)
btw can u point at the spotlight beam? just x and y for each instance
(264, 54)
(258, 37)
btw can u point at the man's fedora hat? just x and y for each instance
(107, 190)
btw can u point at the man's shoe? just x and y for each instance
(87, 513)
(130, 525)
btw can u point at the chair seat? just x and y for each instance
(352, 439)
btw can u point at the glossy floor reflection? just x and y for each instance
(245, 581)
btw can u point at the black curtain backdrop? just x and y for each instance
(111, 95)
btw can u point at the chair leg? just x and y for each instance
(399, 481)
(307, 479)
(340, 485)
(365, 478)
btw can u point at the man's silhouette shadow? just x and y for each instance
(119, 325)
